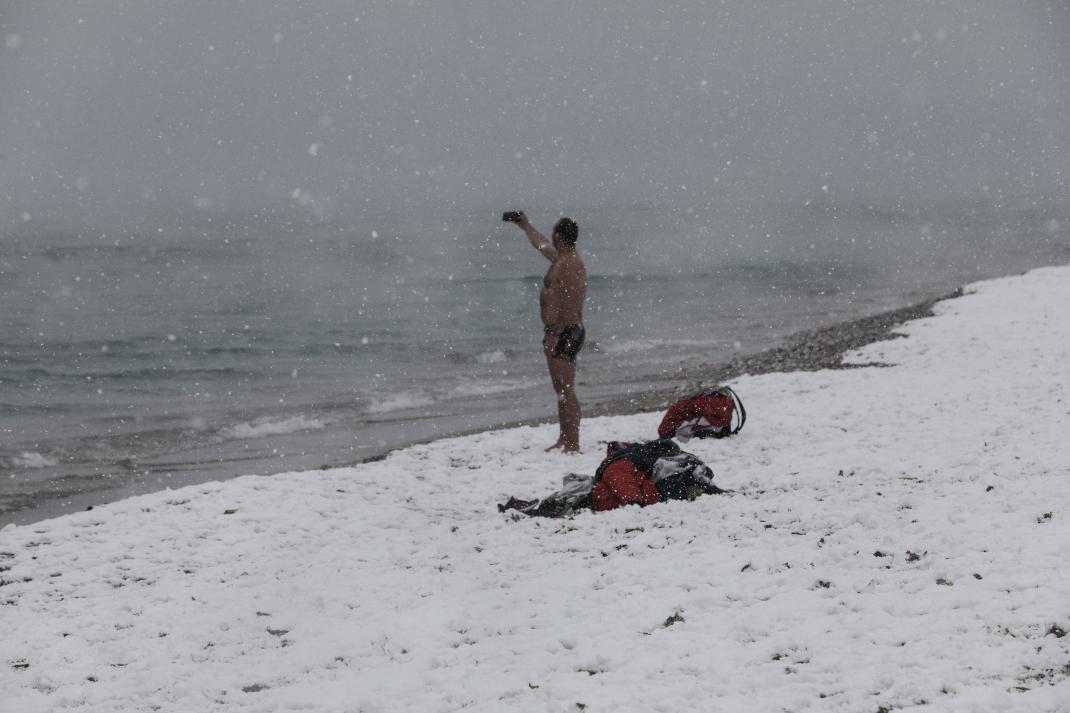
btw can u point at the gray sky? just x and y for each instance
(143, 113)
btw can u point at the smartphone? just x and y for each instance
(511, 216)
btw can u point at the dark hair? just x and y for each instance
(568, 230)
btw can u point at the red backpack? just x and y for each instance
(648, 473)
(713, 413)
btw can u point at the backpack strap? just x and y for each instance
(728, 393)
(642, 455)
(739, 407)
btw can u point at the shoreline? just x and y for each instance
(806, 350)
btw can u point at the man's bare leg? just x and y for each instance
(548, 352)
(563, 376)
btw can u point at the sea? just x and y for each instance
(138, 360)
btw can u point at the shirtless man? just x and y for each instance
(561, 305)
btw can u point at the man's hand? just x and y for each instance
(522, 220)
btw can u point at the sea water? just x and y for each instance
(136, 360)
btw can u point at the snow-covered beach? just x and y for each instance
(897, 540)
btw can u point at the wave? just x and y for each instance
(158, 373)
(26, 460)
(273, 427)
(627, 346)
(494, 356)
(81, 249)
(400, 402)
(480, 387)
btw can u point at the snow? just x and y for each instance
(897, 541)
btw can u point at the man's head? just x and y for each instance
(566, 231)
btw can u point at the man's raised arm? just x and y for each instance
(538, 240)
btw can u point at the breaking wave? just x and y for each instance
(273, 427)
(26, 460)
(400, 402)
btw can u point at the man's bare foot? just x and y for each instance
(564, 446)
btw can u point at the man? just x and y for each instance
(561, 306)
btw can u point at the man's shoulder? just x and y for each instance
(577, 265)
(572, 260)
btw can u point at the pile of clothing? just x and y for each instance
(648, 472)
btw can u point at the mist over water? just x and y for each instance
(124, 113)
(251, 237)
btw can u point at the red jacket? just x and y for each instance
(622, 484)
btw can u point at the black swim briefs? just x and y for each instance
(569, 340)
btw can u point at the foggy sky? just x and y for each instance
(116, 113)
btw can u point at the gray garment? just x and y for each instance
(681, 464)
(574, 487)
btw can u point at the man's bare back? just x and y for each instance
(563, 291)
(561, 300)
